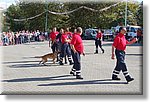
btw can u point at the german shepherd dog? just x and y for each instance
(52, 56)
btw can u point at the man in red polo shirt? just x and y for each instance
(119, 46)
(77, 47)
(52, 37)
(65, 49)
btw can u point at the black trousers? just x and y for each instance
(98, 42)
(54, 47)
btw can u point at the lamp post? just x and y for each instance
(46, 15)
(126, 13)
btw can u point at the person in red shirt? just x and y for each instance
(98, 41)
(77, 47)
(65, 49)
(52, 37)
(139, 35)
(119, 45)
(69, 35)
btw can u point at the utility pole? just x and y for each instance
(126, 13)
(46, 15)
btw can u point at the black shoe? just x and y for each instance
(95, 52)
(79, 77)
(70, 63)
(129, 80)
(73, 73)
(103, 51)
(60, 63)
(115, 78)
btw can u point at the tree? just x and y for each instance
(139, 15)
(83, 17)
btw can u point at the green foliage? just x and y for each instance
(83, 17)
(139, 15)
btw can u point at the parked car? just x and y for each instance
(108, 34)
(90, 33)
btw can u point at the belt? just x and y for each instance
(120, 50)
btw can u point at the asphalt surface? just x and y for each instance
(21, 73)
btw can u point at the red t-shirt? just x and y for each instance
(99, 35)
(77, 42)
(120, 42)
(69, 34)
(63, 38)
(53, 35)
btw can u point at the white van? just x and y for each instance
(132, 31)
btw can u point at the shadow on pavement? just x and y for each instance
(63, 77)
(33, 65)
(134, 54)
(105, 81)
(19, 62)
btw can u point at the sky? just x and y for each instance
(6, 3)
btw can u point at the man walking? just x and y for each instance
(119, 46)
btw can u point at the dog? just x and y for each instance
(45, 58)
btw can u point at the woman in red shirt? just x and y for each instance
(98, 41)
(52, 37)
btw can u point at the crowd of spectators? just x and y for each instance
(21, 37)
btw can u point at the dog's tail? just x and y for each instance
(38, 57)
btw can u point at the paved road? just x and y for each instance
(22, 74)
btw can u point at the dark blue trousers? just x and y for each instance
(120, 65)
(77, 63)
(65, 50)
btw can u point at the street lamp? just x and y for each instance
(126, 13)
(46, 3)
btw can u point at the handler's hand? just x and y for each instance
(113, 56)
(83, 54)
(135, 39)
